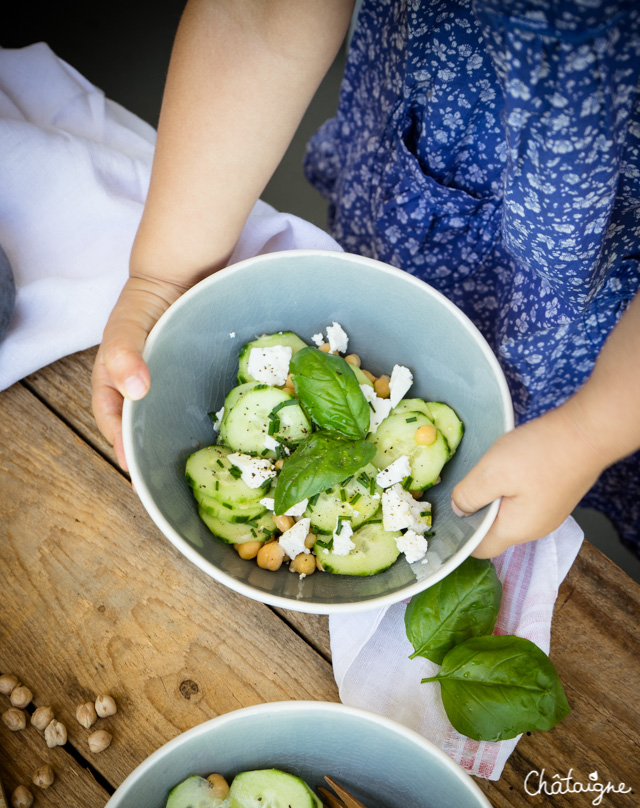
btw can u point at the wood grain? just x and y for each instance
(98, 601)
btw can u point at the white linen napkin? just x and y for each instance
(75, 170)
(371, 652)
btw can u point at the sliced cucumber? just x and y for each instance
(194, 792)
(375, 551)
(447, 422)
(286, 338)
(412, 405)
(355, 501)
(248, 512)
(427, 462)
(259, 529)
(246, 424)
(396, 437)
(270, 788)
(362, 379)
(208, 472)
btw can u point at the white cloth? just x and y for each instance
(75, 170)
(371, 651)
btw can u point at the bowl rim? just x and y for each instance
(276, 708)
(295, 604)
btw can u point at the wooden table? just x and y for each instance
(94, 600)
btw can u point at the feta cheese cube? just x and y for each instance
(399, 384)
(270, 365)
(381, 407)
(255, 470)
(400, 510)
(342, 544)
(338, 340)
(318, 339)
(268, 502)
(412, 545)
(292, 540)
(232, 334)
(394, 473)
(218, 421)
(298, 509)
(270, 443)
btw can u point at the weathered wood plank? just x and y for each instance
(96, 600)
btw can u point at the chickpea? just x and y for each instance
(381, 386)
(425, 435)
(22, 798)
(303, 563)
(248, 549)
(220, 786)
(8, 682)
(279, 464)
(283, 523)
(353, 359)
(20, 697)
(369, 376)
(310, 540)
(270, 556)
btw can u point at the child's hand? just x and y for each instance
(119, 371)
(541, 470)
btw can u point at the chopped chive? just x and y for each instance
(314, 499)
(343, 495)
(328, 545)
(217, 484)
(264, 452)
(373, 409)
(407, 483)
(329, 491)
(348, 480)
(411, 420)
(355, 498)
(425, 513)
(213, 416)
(226, 505)
(220, 463)
(374, 521)
(282, 404)
(338, 529)
(251, 523)
(235, 472)
(372, 486)
(430, 533)
(274, 426)
(253, 533)
(364, 479)
(266, 483)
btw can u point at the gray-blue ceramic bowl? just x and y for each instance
(391, 318)
(379, 761)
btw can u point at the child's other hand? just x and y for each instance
(119, 371)
(541, 470)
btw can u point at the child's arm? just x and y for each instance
(543, 468)
(242, 74)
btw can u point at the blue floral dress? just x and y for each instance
(492, 148)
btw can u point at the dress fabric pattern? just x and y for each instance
(492, 148)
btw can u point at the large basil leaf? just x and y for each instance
(329, 393)
(494, 688)
(462, 605)
(320, 461)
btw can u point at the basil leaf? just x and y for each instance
(462, 605)
(494, 688)
(329, 393)
(320, 461)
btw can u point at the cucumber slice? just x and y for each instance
(396, 437)
(194, 792)
(208, 472)
(427, 462)
(259, 529)
(270, 788)
(412, 405)
(286, 338)
(362, 379)
(246, 424)
(447, 422)
(228, 512)
(353, 501)
(375, 551)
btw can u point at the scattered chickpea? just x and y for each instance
(381, 386)
(8, 682)
(20, 697)
(15, 719)
(220, 786)
(43, 776)
(55, 734)
(353, 359)
(99, 741)
(310, 540)
(283, 523)
(86, 715)
(279, 464)
(303, 563)
(325, 347)
(369, 376)
(416, 494)
(22, 798)
(106, 706)
(270, 556)
(42, 717)
(248, 549)
(425, 435)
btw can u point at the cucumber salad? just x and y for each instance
(262, 788)
(318, 464)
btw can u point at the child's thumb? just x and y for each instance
(122, 356)
(474, 491)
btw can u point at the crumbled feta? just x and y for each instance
(381, 407)
(232, 334)
(298, 509)
(318, 339)
(270, 443)
(412, 545)
(399, 384)
(342, 544)
(218, 420)
(292, 540)
(395, 472)
(270, 365)
(338, 340)
(268, 502)
(255, 470)
(400, 510)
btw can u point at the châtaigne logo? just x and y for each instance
(537, 783)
